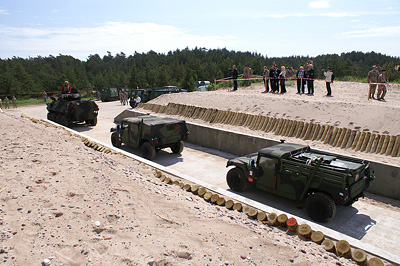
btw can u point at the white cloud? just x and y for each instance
(110, 36)
(375, 32)
(3, 12)
(319, 4)
(339, 15)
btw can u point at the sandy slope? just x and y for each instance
(347, 108)
(64, 201)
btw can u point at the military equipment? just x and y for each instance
(151, 134)
(109, 94)
(149, 94)
(70, 108)
(299, 173)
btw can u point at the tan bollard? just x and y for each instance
(351, 139)
(376, 143)
(381, 143)
(384, 145)
(308, 131)
(370, 142)
(355, 141)
(299, 129)
(365, 141)
(321, 132)
(343, 249)
(317, 237)
(304, 130)
(396, 148)
(327, 134)
(316, 132)
(345, 139)
(339, 137)
(360, 141)
(278, 125)
(333, 136)
(271, 124)
(282, 126)
(292, 129)
(390, 145)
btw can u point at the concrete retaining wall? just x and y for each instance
(387, 182)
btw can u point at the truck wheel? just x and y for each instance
(148, 151)
(115, 140)
(236, 179)
(177, 148)
(93, 122)
(320, 207)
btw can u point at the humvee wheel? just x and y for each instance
(93, 122)
(236, 179)
(177, 148)
(320, 207)
(148, 151)
(115, 140)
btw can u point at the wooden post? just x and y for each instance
(207, 196)
(328, 245)
(375, 262)
(317, 237)
(343, 249)
(272, 218)
(261, 216)
(359, 256)
(252, 213)
(221, 201)
(282, 218)
(229, 204)
(292, 224)
(201, 191)
(304, 230)
(237, 206)
(214, 198)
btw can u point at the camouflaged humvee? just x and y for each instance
(151, 134)
(299, 173)
(70, 108)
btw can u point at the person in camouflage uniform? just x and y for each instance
(14, 101)
(6, 103)
(266, 79)
(382, 86)
(372, 78)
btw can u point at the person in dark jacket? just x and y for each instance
(274, 75)
(300, 75)
(235, 75)
(310, 81)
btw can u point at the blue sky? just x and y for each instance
(29, 28)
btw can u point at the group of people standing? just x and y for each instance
(377, 78)
(7, 103)
(276, 78)
(123, 97)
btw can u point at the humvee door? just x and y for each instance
(266, 173)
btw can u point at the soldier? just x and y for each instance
(121, 97)
(98, 95)
(235, 75)
(300, 80)
(66, 88)
(381, 86)
(44, 96)
(6, 101)
(372, 78)
(125, 98)
(14, 101)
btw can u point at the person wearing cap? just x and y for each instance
(381, 86)
(328, 79)
(372, 78)
(66, 88)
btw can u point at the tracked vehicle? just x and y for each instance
(297, 172)
(69, 108)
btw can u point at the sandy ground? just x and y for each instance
(349, 108)
(63, 201)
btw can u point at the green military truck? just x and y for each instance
(151, 134)
(109, 94)
(149, 94)
(299, 173)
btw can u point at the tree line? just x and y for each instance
(19, 76)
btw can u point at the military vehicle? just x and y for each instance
(109, 94)
(70, 108)
(149, 94)
(299, 173)
(151, 134)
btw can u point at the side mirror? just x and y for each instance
(253, 164)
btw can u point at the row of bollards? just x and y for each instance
(341, 248)
(343, 138)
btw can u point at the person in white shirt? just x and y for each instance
(328, 80)
(137, 101)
